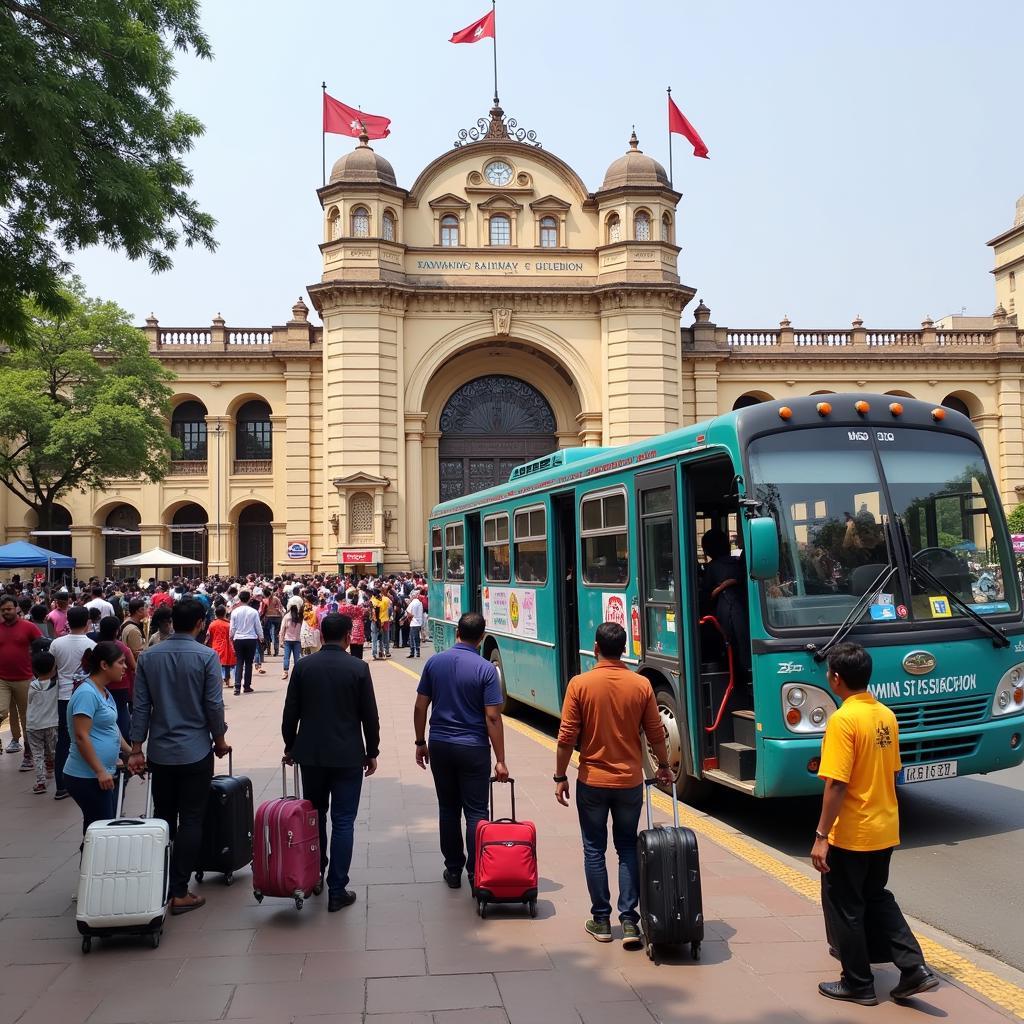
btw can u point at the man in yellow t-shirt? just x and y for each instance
(381, 602)
(858, 829)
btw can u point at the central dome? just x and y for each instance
(362, 167)
(634, 168)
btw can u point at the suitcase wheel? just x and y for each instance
(298, 902)
(258, 895)
(652, 954)
(154, 940)
(533, 908)
(319, 887)
(481, 907)
(229, 878)
(199, 876)
(695, 950)
(87, 944)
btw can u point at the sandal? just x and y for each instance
(195, 902)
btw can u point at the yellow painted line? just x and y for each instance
(1002, 993)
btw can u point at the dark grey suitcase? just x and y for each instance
(671, 907)
(228, 826)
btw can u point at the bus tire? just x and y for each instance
(495, 659)
(695, 792)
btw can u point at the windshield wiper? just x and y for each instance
(926, 578)
(851, 620)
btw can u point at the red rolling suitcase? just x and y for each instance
(506, 860)
(286, 848)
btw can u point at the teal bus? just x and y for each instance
(835, 517)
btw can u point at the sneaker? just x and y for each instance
(14, 747)
(61, 794)
(915, 982)
(600, 930)
(631, 936)
(840, 990)
(453, 879)
(39, 787)
(26, 765)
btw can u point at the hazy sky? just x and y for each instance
(861, 154)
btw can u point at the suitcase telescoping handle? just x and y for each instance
(121, 787)
(512, 787)
(648, 785)
(295, 779)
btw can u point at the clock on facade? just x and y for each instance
(498, 172)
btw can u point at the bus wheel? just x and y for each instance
(495, 659)
(690, 790)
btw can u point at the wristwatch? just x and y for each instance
(559, 778)
(818, 835)
(421, 743)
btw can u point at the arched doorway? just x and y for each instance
(255, 540)
(489, 426)
(189, 537)
(121, 537)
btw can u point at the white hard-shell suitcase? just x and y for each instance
(124, 879)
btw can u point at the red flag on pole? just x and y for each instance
(481, 29)
(341, 119)
(677, 123)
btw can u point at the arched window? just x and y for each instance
(388, 226)
(333, 224)
(614, 227)
(360, 514)
(188, 425)
(449, 231)
(360, 222)
(957, 405)
(746, 401)
(666, 228)
(642, 226)
(254, 432)
(188, 537)
(501, 229)
(121, 537)
(548, 233)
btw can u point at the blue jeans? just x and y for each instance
(292, 652)
(336, 789)
(381, 640)
(95, 804)
(271, 632)
(462, 775)
(414, 640)
(594, 804)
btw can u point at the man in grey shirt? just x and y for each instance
(179, 705)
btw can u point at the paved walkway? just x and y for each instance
(410, 951)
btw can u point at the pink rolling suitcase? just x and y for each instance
(286, 847)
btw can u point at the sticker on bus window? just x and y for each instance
(452, 602)
(634, 627)
(613, 609)
(901, 611)
(883, 612)
(991, 607)
(885, 599)
(940, 608)
(670, 621)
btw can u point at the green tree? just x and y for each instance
(1015, 519)
(90, 141)
(82, 404)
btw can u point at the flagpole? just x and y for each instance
(669, 91)
(494, 41)
(323, 135)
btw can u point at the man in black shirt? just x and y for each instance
(331, 729)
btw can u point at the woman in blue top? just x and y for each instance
(96, 741)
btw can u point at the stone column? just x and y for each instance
(705, 389)
(297, 471)
(415, 510)
(590, 429)
(1011, 437)
(218, 464)
(87, 550)
(431, 469)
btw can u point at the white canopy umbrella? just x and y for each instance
(156, 558)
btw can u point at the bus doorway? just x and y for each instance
(473, 549)
(563, 515)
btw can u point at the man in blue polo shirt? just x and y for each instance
(465, 723)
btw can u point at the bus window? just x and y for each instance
(605, 538)
(436, 554)
(496, 562)
(531, 546)
(455, 551)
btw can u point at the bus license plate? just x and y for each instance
(927, 772)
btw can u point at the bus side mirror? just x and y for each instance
(763, 549)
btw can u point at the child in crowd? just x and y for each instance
(42, 717)
(217, 638)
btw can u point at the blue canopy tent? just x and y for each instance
(21, 555)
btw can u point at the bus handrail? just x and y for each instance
(732, 673)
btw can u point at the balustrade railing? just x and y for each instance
(181, 467)
(821, 339)
(248, 466)
(185, 336)
(894, 339)
(250, 336)
(752, 339)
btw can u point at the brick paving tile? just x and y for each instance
(409, 951)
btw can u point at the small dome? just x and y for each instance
(362, 167)
(635, 168)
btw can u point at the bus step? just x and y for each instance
(737, 760)
(743, 728)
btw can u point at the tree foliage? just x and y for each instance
(1015, 519)
(83, 403)
(90, 143)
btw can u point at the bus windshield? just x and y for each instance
(824, 490)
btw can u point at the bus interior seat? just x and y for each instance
(863, 576)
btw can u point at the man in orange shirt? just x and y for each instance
(605, 709)
(858, 829)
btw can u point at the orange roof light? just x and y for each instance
(896, 408)
(862, 407)
(785, 413)
(938, 414)
(824, 408)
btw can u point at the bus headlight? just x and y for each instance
(806, 709)
(1009, 697)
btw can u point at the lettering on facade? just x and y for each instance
(359, 253)
(503, 266)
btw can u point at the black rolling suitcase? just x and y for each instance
(671, 908)
(228, 826)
